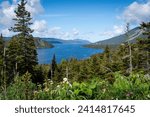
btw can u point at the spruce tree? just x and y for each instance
(53, 67)
(129, 48)
(14, 57)
(54, 64)
(3, 78)
(1, 57)
(1, 52)
(1, 46)
(107, 53)
(146, 43)
(27, 54)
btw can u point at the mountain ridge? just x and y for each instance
(49, 42)
(134, 34)
(69, 41)
(38, 43)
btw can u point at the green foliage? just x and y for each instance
(65, 91)
(21, 89)
(23, 18)
(14, 57)
(2, 44)
(136, 86)
(40, 74)
(44, 93)
(53, 68)
(146, 43)
(22, 46)
(1, 58)
(55, 71)
(101, 76)
(146, 29)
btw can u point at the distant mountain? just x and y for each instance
(81, 41)
(133, 35)
(48, 42)
(38, 42)
(62, 41)
(42, 44)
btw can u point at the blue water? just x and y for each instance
(65, 51)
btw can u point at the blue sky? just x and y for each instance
(93, 20)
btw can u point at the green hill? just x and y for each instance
(117, 40)
(38, 42)
(62, 41)
(42, 44)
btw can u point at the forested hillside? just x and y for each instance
(121, 73)
(39, 43)
(62, 41)
(113, 42)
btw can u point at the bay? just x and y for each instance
(65, 51)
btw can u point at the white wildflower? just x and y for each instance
(65, 79)
(51, 82)
(58, 86)
(46, 89)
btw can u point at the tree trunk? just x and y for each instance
(130, 55)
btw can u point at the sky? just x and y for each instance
(92, 20)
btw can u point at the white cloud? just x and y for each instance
(39, 26)
(54, 30)
(75, 32)
(117, 30)
(66, 35)
(6, 32)
(15, 1)
(7, 14)
(34, 6)
(41, 29)
(137, 12)
(72, 34)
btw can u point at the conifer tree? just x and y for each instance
(53, 67)
(1, 57)
(130, 49)
(27, 54)
(107, 54)
(146, 42)
(3, 78)
(1, 46)
(14, 57)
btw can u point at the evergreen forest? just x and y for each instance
(120, 73)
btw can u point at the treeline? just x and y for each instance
(127, 59)
(123, 73)
(39, 43)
